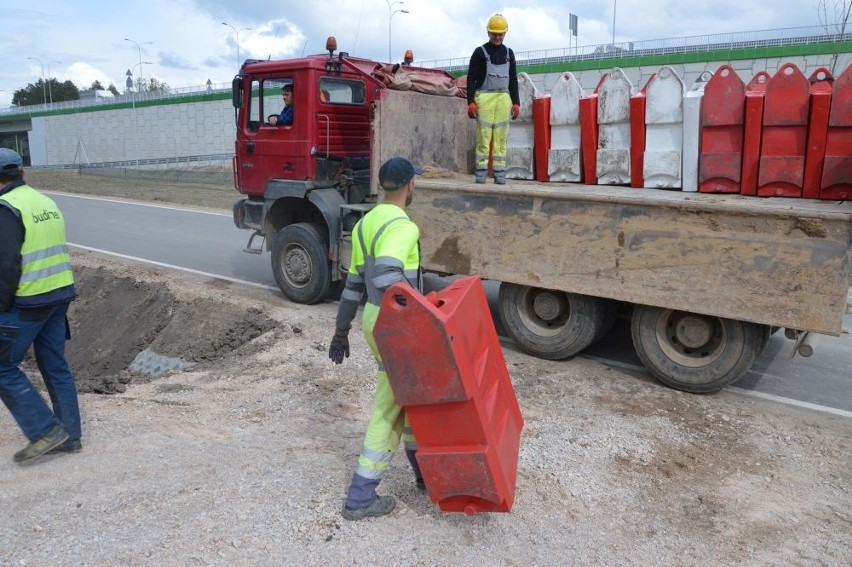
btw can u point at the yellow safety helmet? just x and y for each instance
(497, 24)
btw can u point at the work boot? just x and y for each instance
(69, 446)
(479, 176)
(55, 437)
(500, 180)
(381, 505)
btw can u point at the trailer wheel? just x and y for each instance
(550, 324)
(695, 353)
(300, 263)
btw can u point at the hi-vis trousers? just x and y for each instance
(493, 113)
(388, 423)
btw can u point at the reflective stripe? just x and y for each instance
(354, 279)
(376, 456)
(44, 253)
(369, 473)
(381, 366)
(351, 294)
(410, 445)
(45, 272)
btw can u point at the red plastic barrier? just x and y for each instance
(820, 109)
(722, 123)
(589, 138)
(541, 127)
(785, 131)
(755, 92)
(837, 169)
(446, 368)
(637, 136)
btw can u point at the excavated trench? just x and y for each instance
(125, 330)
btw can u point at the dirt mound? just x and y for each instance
(115, 318)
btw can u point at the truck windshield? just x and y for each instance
(342, 91)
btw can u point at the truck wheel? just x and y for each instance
(550, 324)
(300, 263)
(695, 353)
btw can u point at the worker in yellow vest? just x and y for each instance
(492, 97)
(36, 286)
(385, 250)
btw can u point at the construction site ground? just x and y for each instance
(243, 456)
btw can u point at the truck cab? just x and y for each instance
(296, 177)
(306, 184)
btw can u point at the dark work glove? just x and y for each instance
(339, 348)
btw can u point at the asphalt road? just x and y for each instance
(208, 243)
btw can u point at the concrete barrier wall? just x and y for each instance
(136, 132)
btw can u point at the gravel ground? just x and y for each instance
(244, 459)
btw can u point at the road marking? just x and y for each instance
(131, 202)
(735, 390)
(173, 267)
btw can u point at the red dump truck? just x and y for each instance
(704, 278)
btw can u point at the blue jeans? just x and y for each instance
(45, 329)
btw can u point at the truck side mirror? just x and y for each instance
(237, 92)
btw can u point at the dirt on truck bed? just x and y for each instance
(240, 452)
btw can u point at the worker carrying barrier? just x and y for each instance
(446, 368)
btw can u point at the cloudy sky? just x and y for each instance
(84, 40)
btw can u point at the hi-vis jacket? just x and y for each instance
(385, 250)
(45, 270)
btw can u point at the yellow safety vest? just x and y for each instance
(45, 264)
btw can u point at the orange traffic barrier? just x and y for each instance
(722, 123)
(837, 167)
(785, 131)
(541, 124)
(446, 368)
(754, 93)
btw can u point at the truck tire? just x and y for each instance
(300, 263)
(695, 353)
(550, 324)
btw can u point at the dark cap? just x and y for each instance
(396, 173)
(10, 162)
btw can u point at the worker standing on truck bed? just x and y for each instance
(492, 97)
(36, 287)
(385, 250)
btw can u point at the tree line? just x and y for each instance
(42, 92)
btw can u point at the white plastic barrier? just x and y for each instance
(692, 131)
(564, 160)
(613, 155)
(520, 160)
(663, 130)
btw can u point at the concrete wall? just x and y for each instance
(136, 132)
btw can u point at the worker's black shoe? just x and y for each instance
(381, 505)
(69, 446)
(51, 440)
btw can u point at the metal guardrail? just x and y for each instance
(124, 99)
(687, 44)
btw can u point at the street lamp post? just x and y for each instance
(139, 50)
(614, 4)
(43, 86)
(49, 89)
(391, 12)
(237, 32)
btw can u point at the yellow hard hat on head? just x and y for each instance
(497, 24)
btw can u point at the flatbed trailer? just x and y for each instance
(707, 276)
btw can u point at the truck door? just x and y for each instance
(267, 150)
